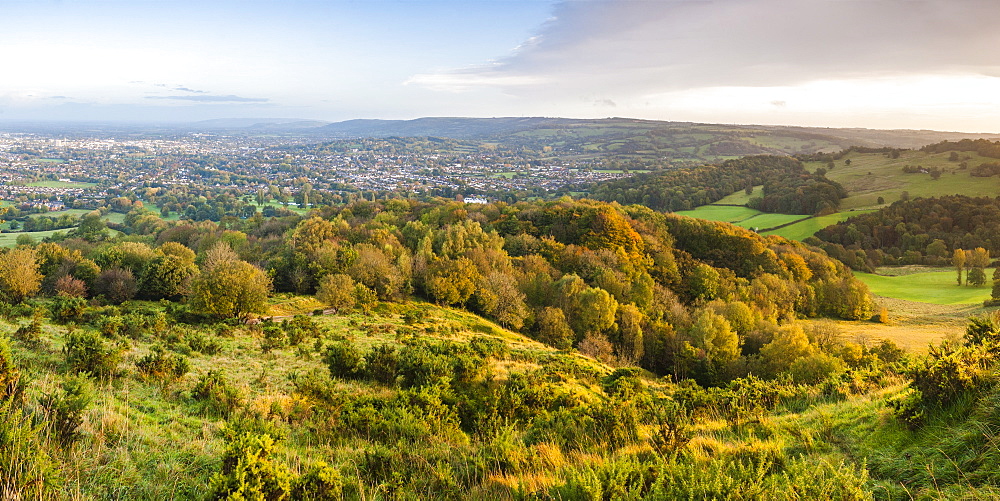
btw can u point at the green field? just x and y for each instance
(872, 175)
(721, 213)
(764, 221)
(741, 216)
(805, 229)
(741, 197)
(937, 287)
(60, 184)
(10, 239)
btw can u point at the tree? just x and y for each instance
(498, 297)
(552, 329)
(712, 333)
(168, 276)
(19, 276)
(996, 284)
(958, 260)
(977, 260)
(229, 286)
(116, 284)
(337, 291)
(451, 281)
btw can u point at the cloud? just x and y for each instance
(213, 99)
(632, 48)
(185, 89)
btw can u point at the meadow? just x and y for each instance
(937, 287)
(874, 175)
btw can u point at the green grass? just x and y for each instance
(60, 184)
(764, 221)
(721, 213)
(805, 229)
(741, 216)
(741, 197)
(886, 178)
(937, 287)
(10, 239)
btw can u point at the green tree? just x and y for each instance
(228, 286)
(451, 281)
(996, 284)
(552, 329)
(712, 333)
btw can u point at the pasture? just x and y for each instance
(937, 287)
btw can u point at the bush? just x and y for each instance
(163, 366)
(11, 386)
(216, 394)
(248, 472)
(321, 482)
(30, 333)
(344, 360)
(26, 469)
(86, 351)
(65, 408)
(68, 309)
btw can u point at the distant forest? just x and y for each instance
(919, 231)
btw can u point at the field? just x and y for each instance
(807, 228)
(873, 175)
(937, 287)
(721, 213)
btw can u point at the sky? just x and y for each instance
(888, 64)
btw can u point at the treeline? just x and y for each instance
(982, 147)
(918, 231)
(673, 294)
(787, 186)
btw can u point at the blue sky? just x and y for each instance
(880, 64)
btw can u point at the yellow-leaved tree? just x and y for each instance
(229, 287)
(19, 276)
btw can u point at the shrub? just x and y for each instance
(248, 472)
(65, 408)
(382, 364)
(274, 337)
(163, 366)
(321, 482)
(344, 360)
(31, 332)
(11, 387)
(216, 394)
(26, 469)
(66, 309)
(86, 352)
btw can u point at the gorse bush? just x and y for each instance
(162, 366)
(65, 407)
(87, 352)
(216, 394)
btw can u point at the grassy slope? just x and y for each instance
(872, 175)
(145, 440)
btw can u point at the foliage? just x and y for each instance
(64, 409)
(229, 287)
(19, 276)
(86, 351)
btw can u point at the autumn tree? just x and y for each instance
(117, 285)
(958, 260)
(228, 286)
(552, 329)
(337, 291)
(19, 276)
(498, 297)
(977, 260)
(451, 281)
